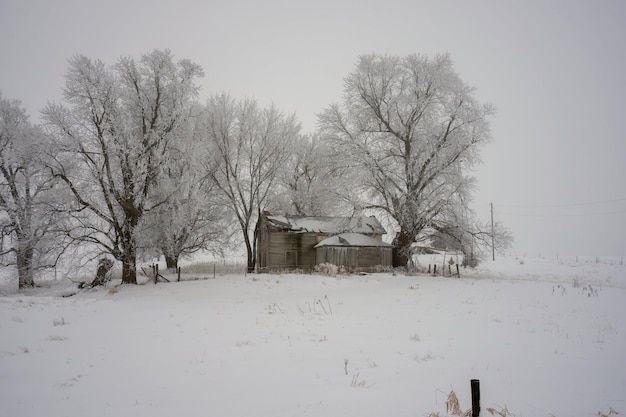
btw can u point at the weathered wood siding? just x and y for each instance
(289, 250)
(355, 258)
(282, 249)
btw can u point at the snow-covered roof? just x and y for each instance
(329, 225)
(352, 239)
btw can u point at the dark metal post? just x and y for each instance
(475, 384)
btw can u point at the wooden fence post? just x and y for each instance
(435, 269)
(178, 272)
(156, 273)
(458, 274)
(475, 385)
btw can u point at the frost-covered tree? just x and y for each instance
(27, 196)
(413, 129)
(194, 218)
(195, 215)
(313, 185)
(114, 137)
(458, 229)
(251, 147)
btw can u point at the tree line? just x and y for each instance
(132, 164)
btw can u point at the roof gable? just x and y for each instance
(328, 225)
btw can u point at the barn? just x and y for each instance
(291, 242)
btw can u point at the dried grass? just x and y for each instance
(220, 268)
(452, 405)
(453, 408)
(358, 383)
(60, 322)
(503, 412)
(611, 412)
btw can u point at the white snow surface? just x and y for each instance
(544, 337)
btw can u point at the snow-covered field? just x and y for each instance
(544, 337)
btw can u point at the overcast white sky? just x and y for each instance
(555, 71)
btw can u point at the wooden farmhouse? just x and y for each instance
(297, 242)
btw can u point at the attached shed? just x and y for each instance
(354, 251)
(288, 242)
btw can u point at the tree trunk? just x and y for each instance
(252, 268)
(129, 259)
(129, 269)
(250, 255)
(24, 260)
(249, 252)
(171, 261)
(104, 266)
(401, 249)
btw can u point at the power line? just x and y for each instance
(587, 203)
(612, 207)
(605, 213)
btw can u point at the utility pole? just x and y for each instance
(493, 246)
